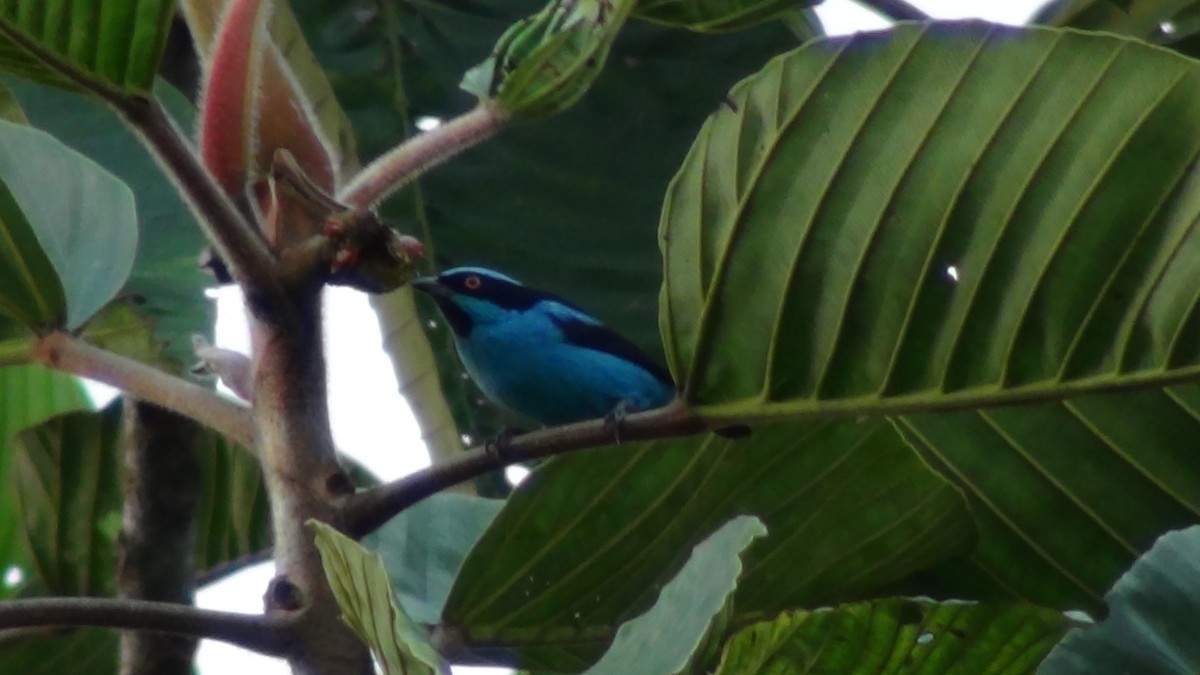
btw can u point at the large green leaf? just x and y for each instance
(586, 541)
(30, 291)
(233, 519)
(165, 271)
(85, 228)
(52, 651)
(33, 394)
(424, 547)
(568, 204)
(360, 584)
(1150, 627)
(65, 492)
(29, 395)
(942, 215)
(112, 46)
(62, 497)
(898, 635)
(668, 637)
(1065, 495)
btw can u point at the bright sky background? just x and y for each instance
(363, 388)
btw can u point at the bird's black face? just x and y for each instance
(471, 296)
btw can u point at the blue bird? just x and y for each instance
(540, 356)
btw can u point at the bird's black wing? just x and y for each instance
(591, 335)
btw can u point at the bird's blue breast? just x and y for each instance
(525, 365)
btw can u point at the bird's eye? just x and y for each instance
(472, 283)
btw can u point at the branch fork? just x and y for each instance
(322, 239)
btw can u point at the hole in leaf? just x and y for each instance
(13, 576)
(515, 474)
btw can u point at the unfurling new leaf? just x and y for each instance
(544, 63)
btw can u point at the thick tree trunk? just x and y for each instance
(162, 487)
(303, 478)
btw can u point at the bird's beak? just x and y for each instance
(430, 285)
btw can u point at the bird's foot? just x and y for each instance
(615, 419)
(500, 447)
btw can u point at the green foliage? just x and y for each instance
(31, 395)
(48, 537)
(1070, 459)
(166, 275)
(86, 651)
(360, 583)
(587, 541)
(63, 486)
(53, 273)
(60, 511)
(543, 64)
(233, 517)
(62, 491)
(1150, 627)
(897, 635)
(808, 241)
(1050, 169)
(424, 547)
(112, 46)
(664, 639)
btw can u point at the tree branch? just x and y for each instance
(896, 10)
(302, 476)
(70, 354)
(420, 153)
(239, 244)
(367, 511)
(230, 567)
(266, 634)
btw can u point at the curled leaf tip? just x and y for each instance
(228, 116)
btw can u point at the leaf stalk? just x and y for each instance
(70, 354)
(401, 165)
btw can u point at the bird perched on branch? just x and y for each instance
(538, 355)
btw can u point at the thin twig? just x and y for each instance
(236, 240)
(70, 354)
(230, 567)
(896, 10)
(366, 511)
(420, 153)
(266, 634)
